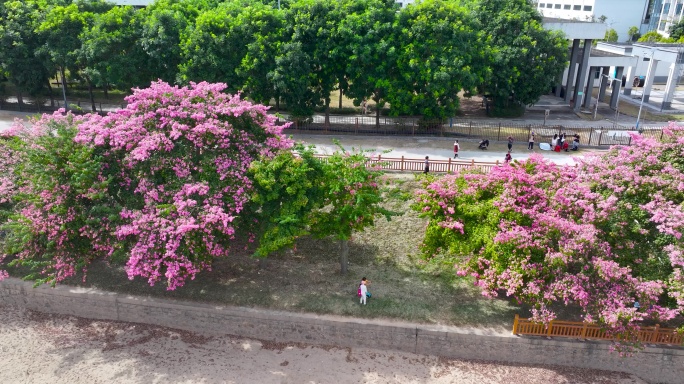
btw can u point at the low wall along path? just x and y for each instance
(653, 364)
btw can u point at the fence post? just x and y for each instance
(529, 130)
(413, 128)
(661, 134)
(448, 166)
(515, 324)
(654, 337)
(591, 132)
(548, 330)
(451, 122)
(584, 331)
(357, 125)
(600, 136)
(629, 143)
(441, 128)
(470, 130)
(402, 162)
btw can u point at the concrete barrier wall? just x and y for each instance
(653, 364)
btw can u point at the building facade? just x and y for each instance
(664, 14)
(620, 15)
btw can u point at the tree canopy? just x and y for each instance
(418, 59)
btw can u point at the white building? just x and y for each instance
(664, 14)
(620, 14)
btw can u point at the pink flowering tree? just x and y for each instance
(163, 187)
(601, 236)
(11, 156)
(59, 222)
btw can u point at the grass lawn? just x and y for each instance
(307, 279)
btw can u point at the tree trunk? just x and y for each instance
(64, 87)
(92, 97)
(20, 99)
(340, 105)
(52, 97)
(327, 111)
(377, 112)
(277, 103)
(344, 256)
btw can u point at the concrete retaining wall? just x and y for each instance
(653, 364)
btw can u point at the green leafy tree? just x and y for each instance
(440, 53)
(677, 30)
(526, 59)
(632, 33)
(162, 24)
(19, 44)
(236, 44)
(653, 37)
(305, 195)
(110, 51)
(311, 35)
(367, 31)
(611, 36)
(61, 29)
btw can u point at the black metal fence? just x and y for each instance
(593, 136)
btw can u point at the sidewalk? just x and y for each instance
(438, 148)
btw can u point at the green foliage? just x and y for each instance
(288, 188)
(236, 44)
(653, 37)
(611, 36)
(525, 59)
(633, 33)
(441, 52)
(19, 44)
(303, 194)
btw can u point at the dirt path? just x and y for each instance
(39, 348)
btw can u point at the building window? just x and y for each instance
(566, 6)
(666, 8)
(662, 25)
(576, 7)
(541, 5)
(557, 6)
(678, 9)
(587, 8)
(549, 5)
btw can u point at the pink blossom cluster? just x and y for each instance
(173, 165)
(602, 236)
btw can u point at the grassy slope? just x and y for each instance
(307, 279)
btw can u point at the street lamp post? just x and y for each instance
(643, 90)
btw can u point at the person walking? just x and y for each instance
(510, 143)
(363, 291)
(530, 143)
(427, 165)
(456, 148)
(508, 157)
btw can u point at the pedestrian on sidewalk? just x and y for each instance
(427, 165)
(456, 148)
(510, 143)
(530, 143)
(508, 157)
